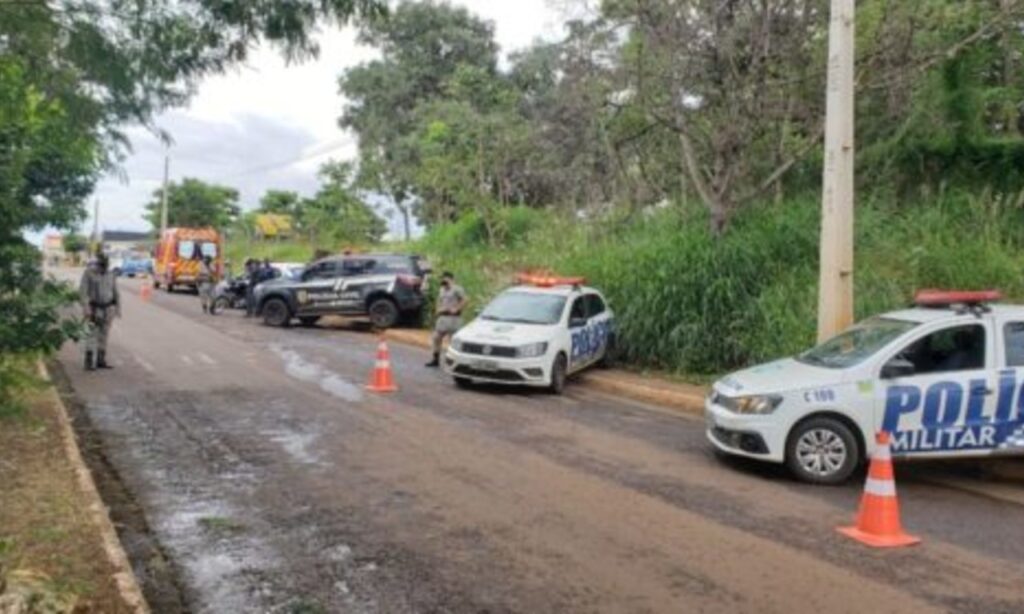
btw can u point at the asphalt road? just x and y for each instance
(270, 481)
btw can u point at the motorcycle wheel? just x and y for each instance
(221, 303)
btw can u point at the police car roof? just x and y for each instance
(923, 315)
(563, 290)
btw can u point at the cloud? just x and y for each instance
(270, 125)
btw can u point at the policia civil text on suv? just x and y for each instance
(100, 304)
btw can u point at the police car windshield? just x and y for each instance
(525, 308)
(856, 344)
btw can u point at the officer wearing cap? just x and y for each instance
(450, 301)
(100, 304)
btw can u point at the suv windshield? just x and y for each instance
(856, 344)
(525, 308)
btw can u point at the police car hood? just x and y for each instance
(504, 333)
(778, 376)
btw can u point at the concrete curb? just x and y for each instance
(124, 577)
(681, 397)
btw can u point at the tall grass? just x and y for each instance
(690, 303)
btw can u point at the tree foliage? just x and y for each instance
(193, 203)
(651, 101)
(337, 215)
(72, 73)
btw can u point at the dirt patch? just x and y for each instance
(51, 552)
(156, 574)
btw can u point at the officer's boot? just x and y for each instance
(101, 360)
(435, 361)
(89, 366)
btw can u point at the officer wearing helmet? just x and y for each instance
(100, 304)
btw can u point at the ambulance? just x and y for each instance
(535, 334)
(179, 252)
(943, 377)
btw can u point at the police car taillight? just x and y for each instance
(947, 298)
(410, 280)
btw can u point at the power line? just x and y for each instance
(320, 151)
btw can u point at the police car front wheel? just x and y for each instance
(559, 372)
(822, 450)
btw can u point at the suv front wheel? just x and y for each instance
(276, 312)
(822, 450)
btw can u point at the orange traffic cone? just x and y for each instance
(146, 291)
(381, 379)
(878, 521)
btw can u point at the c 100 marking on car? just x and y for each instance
(823, 395)
(588, 341)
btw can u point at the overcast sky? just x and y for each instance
(268, 125)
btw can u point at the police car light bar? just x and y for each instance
(548, 281)
(946, 298)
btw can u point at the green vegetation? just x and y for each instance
(690, 303)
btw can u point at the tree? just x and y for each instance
(282, 202)
(195, 204)
(72, 72)
(422, 45)
(337, 214)
(75, 243)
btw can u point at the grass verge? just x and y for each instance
(51, 552)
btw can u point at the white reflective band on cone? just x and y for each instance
(383, 364)
(883, 453)
(882, 488)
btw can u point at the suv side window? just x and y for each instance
(393, 265)
(958, 348)
(320, 270)
(595, 306)
(1013, 336)
(355, 266)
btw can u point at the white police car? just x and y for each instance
(944, 378)
(533, 334)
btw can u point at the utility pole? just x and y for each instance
(96, 224)
(835, 289)
(163, 195)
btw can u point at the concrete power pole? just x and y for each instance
(835, 289)
(163, 195)
(96, 224)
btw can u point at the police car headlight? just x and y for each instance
(456, 344)
(532, 350)
(757, 404)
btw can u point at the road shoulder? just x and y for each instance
(56, 541)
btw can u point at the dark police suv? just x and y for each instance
(385, 287)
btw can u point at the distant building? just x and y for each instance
(273, 226)
(117, 241)
(53, 249)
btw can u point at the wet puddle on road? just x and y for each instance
(330, 382)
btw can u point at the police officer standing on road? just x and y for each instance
(251, 272)
(450, 302)
(101, 304)
(205, 282)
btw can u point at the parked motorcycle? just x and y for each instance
(230, 294)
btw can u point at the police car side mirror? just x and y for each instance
(896, 368)
(577, 322)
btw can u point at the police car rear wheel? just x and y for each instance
(822, 451)
(276, 313)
